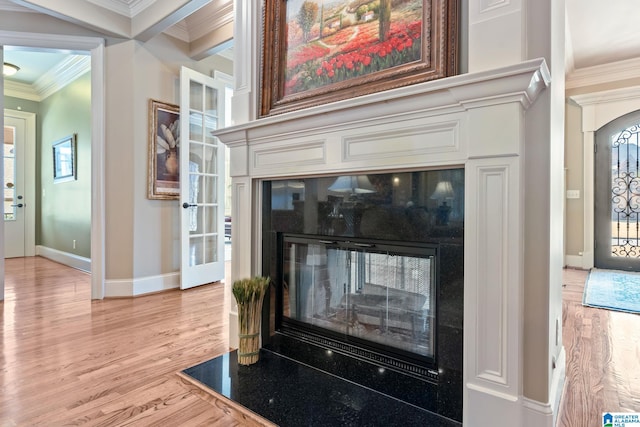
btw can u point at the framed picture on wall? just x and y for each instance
(64, 159)
(316, 52)
(164, 150)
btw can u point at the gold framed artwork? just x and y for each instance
(164, 151)
(316, 52)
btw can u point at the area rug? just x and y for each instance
(613, 290)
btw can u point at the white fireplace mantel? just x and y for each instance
(520, 83)
(475, 121)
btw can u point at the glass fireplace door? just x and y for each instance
(362, 292)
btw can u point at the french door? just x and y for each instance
(202, 179)
(617, 194)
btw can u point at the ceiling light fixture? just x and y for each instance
(9, 69)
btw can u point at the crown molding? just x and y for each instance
(20, 90)
(600, 74)
(208, 19)
(52, 81)
(128, 8)
(614, 95)
(62, 74)
(179, 31)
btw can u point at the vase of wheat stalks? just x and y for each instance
(249, 294)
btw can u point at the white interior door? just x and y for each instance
(201, 179)
(18, 188)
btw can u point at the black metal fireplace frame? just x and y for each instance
(423, 367)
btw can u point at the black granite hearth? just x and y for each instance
(289, 393)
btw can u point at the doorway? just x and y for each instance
(617, 194)
(95, 46)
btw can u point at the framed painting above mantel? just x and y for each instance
(321, 51)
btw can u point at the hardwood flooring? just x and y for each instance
(603, 358)
(70, 361)
(67, 360)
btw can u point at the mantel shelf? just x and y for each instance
(520, 83)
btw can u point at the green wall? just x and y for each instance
(20, 104)
(65, 207)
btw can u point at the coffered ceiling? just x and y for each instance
(135, 19)
(42, 71)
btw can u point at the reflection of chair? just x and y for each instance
(386, 308)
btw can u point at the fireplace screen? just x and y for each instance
(362, 292)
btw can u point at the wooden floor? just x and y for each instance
(603, 359)
(67, 360)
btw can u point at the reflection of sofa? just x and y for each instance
(386, 309)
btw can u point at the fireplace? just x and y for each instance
(494, 126)
(368, 270)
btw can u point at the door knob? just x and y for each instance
(188, 205)
(18, 205)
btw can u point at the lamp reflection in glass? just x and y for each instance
(443, 191)
(352, 186)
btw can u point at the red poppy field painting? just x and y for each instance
(315, 50)
(329, 42)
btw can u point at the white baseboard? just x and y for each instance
(557, 383)
(71, 260)
(141, 285)
(574, 261)
(536, 414)
(482, 405)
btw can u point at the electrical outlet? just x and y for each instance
(74, 244)
(573, 194)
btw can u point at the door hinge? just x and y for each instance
(595, 148)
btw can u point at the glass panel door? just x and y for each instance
(202, 182)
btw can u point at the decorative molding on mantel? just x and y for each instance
(516, 83)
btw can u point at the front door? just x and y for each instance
(201, 179)
(18, 188)
(617, 194)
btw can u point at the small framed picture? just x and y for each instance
(64, 159)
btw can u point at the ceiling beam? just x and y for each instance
(143, 26)
(82, 13)
(212, 43)
(164, 13)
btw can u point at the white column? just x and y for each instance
(494, 263)
(242, 241)
(246, 33)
